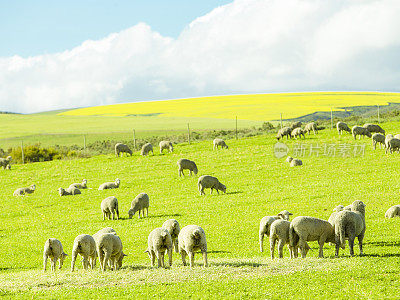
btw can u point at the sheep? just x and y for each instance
(295, 125)
(25, 190)
(69, 191)
(207, 181)
(350, 224)
(166, 145)
(374, 128)
(85, 246)
(387, 139)
(298, 132)
(109, 248)
(341, 126)
(173, 228)
(99, 233)
(110, 206)
(184, 164)
(190, 239)
(219, 143)
(311, 127)
(378, 138)
(392, 212)
(53, 249)
(146, 149)
(360, 131)
(140, 203)
(294, 162)
(159, 242)
(122, 148)
(82, 185)
(303, 229)
(285, 131)
(265, 225)
(332, 217)
(393, 145)
(110, 185)
(5, 162)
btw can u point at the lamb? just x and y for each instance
(159, 242)
(109, 248)
(265, 225)
(140, 203)
(295, 125)
(185, 164)
(85, 246)
(341, 126)
(122, 148)
(360, 131)
(393, 145)
(219, 143)
(53, 249)
(25, 190)
(303, 229)
(207, 181)
(332, 217)
(374, 128)
(110, 185)
(285, 131)
(173, 228)
(146, 149)
(311, 127)
(350, 224)
(110, 206)
(387, 139)
(298, 132)
(5, 162)
(190, 239)
(69, 191)
(378, 138)
(392, 212)
(82, 185)
(294, 162)
(166, 145)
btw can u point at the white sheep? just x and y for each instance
(99, 233)
(285, 131)
(82, 185)
(294, 162)
(140, 203)
(190, 239)
(85, 246)
(69, 191)
(5, 162)
(173, 228)
(53, 249)
(393, 211)
(109, 248)
(387, 139)
(341, 126)
(159, 242)
(311, 127)
(219, 143)
(166, 145)
(295, 125)
(210, 182)
(360, 131)
(146, 149)
(110, 206)
(25, 190)
(332, 217)
(393, 145)
(297, 132)
(374, 128)
(378, 138)
(265, 225)
(122, 148)
(185, 164)
(110, 185)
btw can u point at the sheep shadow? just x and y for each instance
(381, 255)
(383, 243)
(218, 251)
(135, 268)
(238, 264)
(164, 216)
(234, 193)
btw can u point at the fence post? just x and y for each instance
(281, 122)
(331, 118)
(22, 152)
(84, 142)
(188, 133)
(236, 128)
(134, 139)
(378, 115)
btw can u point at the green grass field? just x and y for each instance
(258, 185)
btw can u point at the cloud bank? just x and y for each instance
(247, 46)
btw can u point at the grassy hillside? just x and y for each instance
(258, 185)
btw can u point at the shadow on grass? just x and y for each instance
(234, 193)
(150, 216)
(237, 264)
(218, 251)
(135, 268)
(382, 243)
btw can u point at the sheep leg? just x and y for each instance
(281, 244)
(302, 247)
(180, 171)
(73, 259)
(152, 257)
(44, 262)
(162, 259)
(183, 255)
(272, 241)
(170, 256)
(261, 240)
(84, 262)
(113, 215)
(104, 215)
(175, 242)
(205, 261)
(117, 211)
(53, 264)
(321, 246)
(360, 243)
(147, 212)
(139, 213)
(101, 259)
(351, 245)
(191, 258)
(106, 259)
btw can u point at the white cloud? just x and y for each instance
(248, 46)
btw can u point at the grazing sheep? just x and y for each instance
(122, 148)
(184, 164)
(82, 185)
(350, 224)
(387, 139)
(109, 248)
(360, 131)
(69, 191)
(311, 127)
(190, 239)
(285, 131)
(110, 185)
(53, 249)
(219, 143)
(392, 212)
(140, 203)
(341, 126)
(295, 125)
(393, 145)
(207, 181)
(5, 162)
(298, 132)
(303, 229)
(99, 233)
(378, 138)
(166, 145)
(173, 228)
(146, 149)
(109, 206)
(25, 190)
(265, 225)
(294, 162)
(374, 128)
(159, 242)
(85, 246)
(332, 217)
